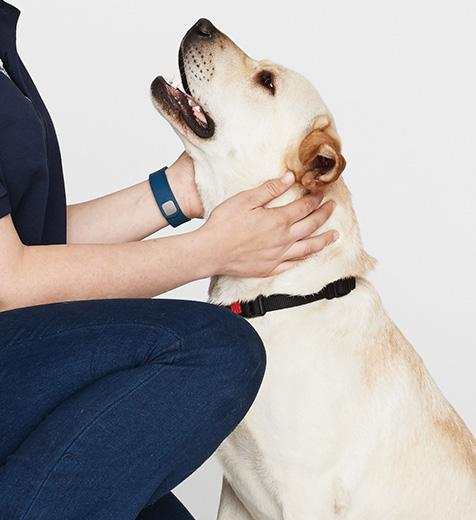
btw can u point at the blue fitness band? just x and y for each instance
(165, 199)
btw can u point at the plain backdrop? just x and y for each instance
(399, 77)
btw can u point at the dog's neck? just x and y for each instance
(344, 258)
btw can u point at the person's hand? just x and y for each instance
(249, 240)
(181, 177)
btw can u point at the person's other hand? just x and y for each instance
(251, 240)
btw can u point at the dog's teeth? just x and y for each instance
(197, 112)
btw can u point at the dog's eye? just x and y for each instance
(266, 79)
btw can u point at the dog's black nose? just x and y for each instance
(204, 28)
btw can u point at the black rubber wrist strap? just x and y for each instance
(263, 304)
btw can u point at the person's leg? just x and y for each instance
(106, 406)
(166, 508)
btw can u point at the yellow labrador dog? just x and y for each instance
(348, 422)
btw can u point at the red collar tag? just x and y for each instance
(235, 308)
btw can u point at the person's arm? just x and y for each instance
(241, 238)
(132, 214)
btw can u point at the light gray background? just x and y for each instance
(399, 78)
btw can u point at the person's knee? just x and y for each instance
(240, 358)
(225, 349)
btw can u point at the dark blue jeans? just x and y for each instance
(105, 406)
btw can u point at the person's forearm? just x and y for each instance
(242, 238)
(49, 274)
(125, 216)
(132, 214)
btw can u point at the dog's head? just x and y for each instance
(245, 121)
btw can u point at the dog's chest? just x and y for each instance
(300, 421)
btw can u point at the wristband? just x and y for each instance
(168, 205)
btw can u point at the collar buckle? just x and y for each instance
(339, 289)
(253, 308)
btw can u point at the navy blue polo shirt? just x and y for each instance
(31, 177)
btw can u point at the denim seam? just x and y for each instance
(148, 359)
(99, 325)
(93, 421)
(177, 340)
(120, 324)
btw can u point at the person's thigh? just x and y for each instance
(84, 385)
(48, 353)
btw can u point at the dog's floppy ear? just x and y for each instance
(320, 157)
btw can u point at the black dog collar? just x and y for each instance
(263, 304)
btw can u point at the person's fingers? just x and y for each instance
(285, 266)
(268, 191)
(312, 222)
(298, 209)
(310, 246)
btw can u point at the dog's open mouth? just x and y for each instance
(183, 107)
